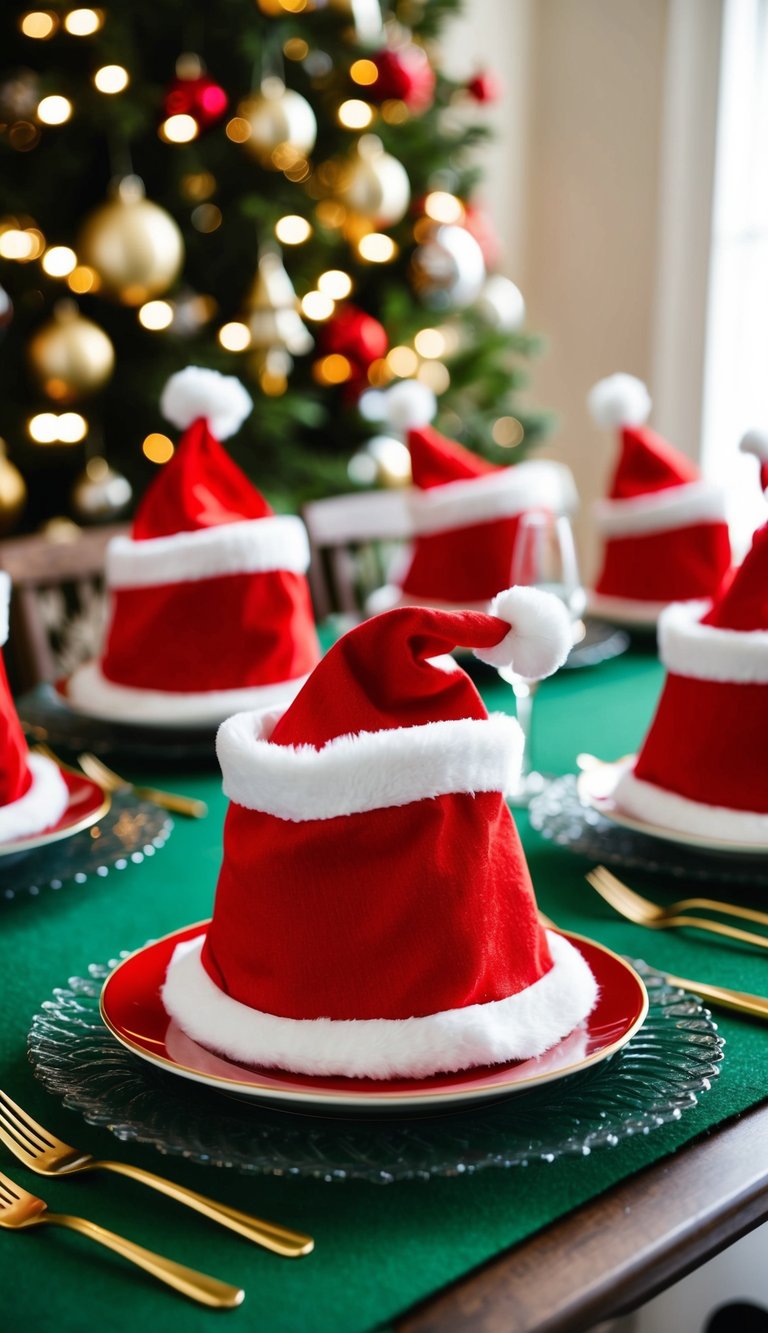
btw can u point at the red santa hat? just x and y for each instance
(702, 768)
(465, 511)
(33, 793)
(756, 442)
(210, 607)
(374, 915)
(663, 527)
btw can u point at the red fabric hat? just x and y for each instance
(374, 913)
(756, 442)
(33, 793)
(465, 511)
(664, 530)
(702, 768)
(211, 610)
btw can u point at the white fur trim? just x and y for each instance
(755, 442)
(89, 691)
(538, 483)
(40, 807)
(516, 1028)
(658, 511)
(5, 604)
(668, 810)
(404, 406)
(619, 400)
(706, 652)
(541, 634)
(625, 610)
(372, 770)
(197, 392)
(253, 546)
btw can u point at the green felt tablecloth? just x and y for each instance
(378, 1248)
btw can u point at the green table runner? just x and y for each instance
(379, 1248)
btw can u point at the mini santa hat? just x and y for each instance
(756, 442)
(465, 511)
(664, 530)
(33, 793)
(374, 914)
(702, 768)
(211, 609)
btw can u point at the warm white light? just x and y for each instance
(376, 248)
(364, 72)
(156, 315)
(354, 114)
(179, 129)
(16, 244)
(335, 283)
(235, 337)
(435, 375)
(44, 428)
(157, 448)
(430, 343)
(82, 22)
(71, 428)
(315, 305)
(39, 23)
(111, 79)
(403, 361)
(83, 279)
(443, 207)
(292, 229)
(54, 110)
(59, 261)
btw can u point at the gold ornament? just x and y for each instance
(70, 356)
(282, 125)
(375, 185)
(100, 493)
(13, 493)
(277, 331)
(134, 245)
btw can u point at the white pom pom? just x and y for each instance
(403, 406)
(619, 400)
(197, 392)
(755, 442)
(541, 636)
(5, 602)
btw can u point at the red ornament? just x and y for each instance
(198, 97)
(480, 225)
(353, 333)
(485, 87)
(405, 74)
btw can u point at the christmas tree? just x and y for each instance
(283, 190)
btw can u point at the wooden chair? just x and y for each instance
(354, 541)
(58, 602)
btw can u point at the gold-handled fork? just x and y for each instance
(180, 805)
(646, 913)
(47, 1155)
(19, 1210)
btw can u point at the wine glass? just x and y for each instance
(544, 557)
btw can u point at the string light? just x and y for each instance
(330, 214)
(403, 361)
(179, 129)
(59, 261)
(335, 283)
(23, 136)
(83, 279)
(156, 315)
(293, 229)
(39, 23)
(16, 244)
(394, 112)
(50, 428)
(157, 448)
(198, 185)
(363, 72)
(376, 248)
(83, 22)
(430, 343)
(507, 432)
(354, 114)
(443, 207)
(54, 110)
(235, 337)
(111, 79)
(317, 305)
(435, 375)
(71, 428)
(206, 218)
(296, 49)
(238, 129)
(333, 369)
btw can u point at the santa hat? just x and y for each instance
(756, 442)
(663, 526)
(374, 915)
(33, 793)
(702, 768)
(210, 607)
(465, 511)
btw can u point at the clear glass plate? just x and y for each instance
(560, 816)
(657, 1076)
(129, 831)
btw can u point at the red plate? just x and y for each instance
(133, 1011)
(87, 803)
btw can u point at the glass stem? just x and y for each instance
(524, 691)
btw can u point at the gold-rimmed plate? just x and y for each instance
(132, 1009)
(87, 803)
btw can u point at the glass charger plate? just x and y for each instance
(658, 1075)
(559, 815)
(129, 831)
(48, 718)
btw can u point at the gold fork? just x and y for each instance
(43, 1153)
(19, 1210)
(645, 913)
(111, 781)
